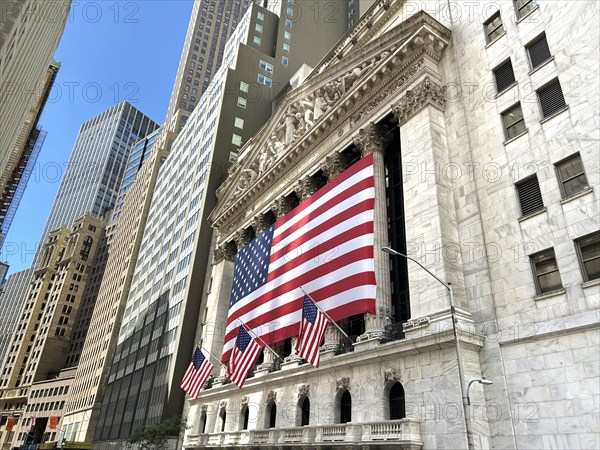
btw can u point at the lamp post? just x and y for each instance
(480, 381)
(461, 375)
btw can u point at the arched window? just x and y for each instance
(305, 412)
(244, 416)
(270, 415)
(346, 407)
(223, 416)
(202, 426)
(397, 408)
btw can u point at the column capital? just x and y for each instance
(335, 164)
(242, 237)
(373, 138)
(225, 251)
(427, 92)
(306, 187)
(283, 205)
(260, 223)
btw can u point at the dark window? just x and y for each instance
(551, 98)
(530, 197)
(246, 415)
(571, 175)
(493, 27)
(538, 51)
(589, 256)
(397, 405)
(504, 75)
(346, 407)
(305, 412)
(522, 7)
(223, 419)
(514, 124)
(545, 270)
(272, 415)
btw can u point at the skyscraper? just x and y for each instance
(93, 175)
(11, 299)
(29, 34)
(156, 335)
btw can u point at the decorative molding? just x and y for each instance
(392, 375)
(373, 138)
(415, 100)
(271, 396)
(242, 237)
(306, 187)
(416, 323)
(342, 383)
(204, 408)
(245, 400)
(260, 223)
(303, 390)
(223, 404)
(224, 252)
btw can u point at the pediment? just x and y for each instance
(332, 89)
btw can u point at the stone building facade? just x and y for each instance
(482, 125)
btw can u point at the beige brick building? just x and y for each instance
(42, 337)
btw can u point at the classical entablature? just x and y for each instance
(399, 64)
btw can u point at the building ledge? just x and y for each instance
(550, 294)
(489, 44)
(521, 19)
(552, 116)
(533, 214)
(398, 434)
(544, 64)
(590, 283)
(586, 191)
(512, 139)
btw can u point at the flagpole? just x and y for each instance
(259, 338)
(321, 309)
(216, 359)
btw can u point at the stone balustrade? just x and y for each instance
(403, 434)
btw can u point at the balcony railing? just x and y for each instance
(405, 433)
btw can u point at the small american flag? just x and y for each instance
(325, 245)
(196, 374)
(312, 328)
(244, 354)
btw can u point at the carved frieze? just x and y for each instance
(414, 100)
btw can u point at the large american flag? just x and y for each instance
(325, 245)
(196, 374)
(245, 352)
(312, 328)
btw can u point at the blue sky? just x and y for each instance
(110, 51)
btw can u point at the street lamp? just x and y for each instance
(461, 376)
(480, 381)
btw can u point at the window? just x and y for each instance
(257, 40)
(571, 175)
(504, 75)
(258, 27)
(513, 121)
(223, 416)
(287, 35)
(522, 7)
(530, 197)
(239, 123)
(588, 249)
(545, 270)
(305, 412)
(86, 247)
(551, 98)
(260, 16)
(538, 51)
(236, 140)
(244, 86)
(288, 23)
(271, 418)
(264, 80)
(290, 11)
(346, 407)
(241, 102)
(284, 60)
(244, 415)
(493, 28)
(265, 66)
(286, 47)
(397, 405)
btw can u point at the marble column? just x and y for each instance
(334, 165)
(373, 139)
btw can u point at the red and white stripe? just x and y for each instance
(310, 338)
(241, 363)
(324, 245)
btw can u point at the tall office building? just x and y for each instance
(29, 34)
(11, 300)
(43, 339)
(19, 177)
(461, 144)
(156, 335)
(93, 175)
